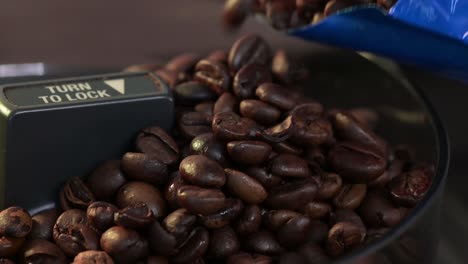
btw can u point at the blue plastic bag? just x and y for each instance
(432, 34)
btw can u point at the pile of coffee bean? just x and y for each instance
(283, 14)
(254, 172)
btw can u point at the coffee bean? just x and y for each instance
(219, 56)
(375, 234)
(330, 185)
(136, 192)
(294, 232)
(155, 142)
(235, 12)
(192, 124)
(387, 4)
(346, 215)
(279, 12)
(223, 217)
(213, 74)
(292, 195)
(170, 78)
(274, 219)
(172, 187)
(76, 238)
(193, 92)
(316, 155)
(230, 126)
(249, 49)
(225, 103)
(334, 6)
(42, 251)
(308, 125)
(93, 256)
(195, 247)
(280, 132)
(313, 253)
(307, 8)
(202, 171)
(223, 242)
(157, 260)
(291, 257)
(287, 148)
(134, 216)
(205, 107)
(141, 167)
(263, 242)
(245, 187)
(9, 246)
(259, 111)
(161, 241)
(100, 215)
(244, 258)
(365, 116)
(124, 245)
(319, 231)
(288, 165)
(276, 95)
(378, 211)
(248, 78)
(6, 261)
(263, 176)
(284, 68)
(199, 200)
(350, 196)
(15, 222)
(75, 194)
(183, 65)
(249, 221)
(179, 224)
(249, 152)
(317, 210)
(409, 188)
(106, 180)
(342, 237)
(43, 223)
(380, 181)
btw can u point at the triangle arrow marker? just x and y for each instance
(117, 84)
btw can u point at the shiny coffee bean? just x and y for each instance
(194, 248)
(249, 221)
(170, 78)
(249, 49)
(67, 219)
(291, 257)
(248, 78)
(75, 194)
(223, 217)
(355, 162)
(219, 56)
(141, 167)
(245, 258)
(93, 257)
(100, 215)
(343, 236)
(279, 12)
(263, 176)
(313, 253)
(287, 165)
(136, 192)
(409, 188)
(124, 245)
(308, 125)
(106, 180)
(245, 187)
(9, 246)
(202, 171)
(378, 211)
(330, 185)
(263, 242)
(193, 92)
(213, 74)
(155, 142)
(346, 215)
(381, 181)
(292, 195)
(183, 64)
(157, 260)
(77, 238)
(259, 111)
(294, 232)
(134, 216)
(287, 148)
(42, 251)
(317, 210)
(199, 200)
(230, 126)
(223, 243)
(319, 231)
(192, 124)
(285, 70)
(15, 222)
(172, 187)
(225, 103)
(249, 152)
(161, 241)
(179, 224)
(280, 133)
(274, 219)
(235, 12)
(350, 196)
(276, 95)
(375, 234)
(316, 154)
(205, 107)
(43, 223)
(206, 144)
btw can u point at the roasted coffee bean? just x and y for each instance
(161, 241)
(134, 193)
(9, 246)
(206, 144)
(319, 231)
(235, 12)
(106, 180)
(230, 126)
(15, 222)
(225, 103)
(287, 148)
(365, 116)
(263, 176)
(194, 248)
(387, 4)
(380, 181)
(172, 187)
(409, 188)
(42, 251)
(170, 78)
(355, 162)
(263, 242)
(274, 219)
(245, 187)
(219, 56)
(244, 258)
(157, 260)
(292, 195)
(183, 65)
(249, 221)
(124, 245)
(192, 124)
(308, 126)
(285, 70)
(179, 224)
(155, 142)
(287, 165)
(294, 232)
(76, 238)
(378, 211)
(313, 253)
(100, 215)
(213, 74)
(279, 12)
(317, 210)
(223, 242)
(141, 167)
(93, 257)
(76, 194)
(342, 237)
(330, 185)
(350, 196)
(307, 8)
(43, 223)
(280, 132)
(134, 216)
(276, 95)
(223, 217)
(202, 171)
(142, 67)
(248, 78)
(193, 92)
(291, 257)
(316, 154)
(199, 200)
(67, 219)
(249, 152)
(334, 6)
(205, 107)
(375, 234)
(259, 111)
(249, 49)
(346, 215)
